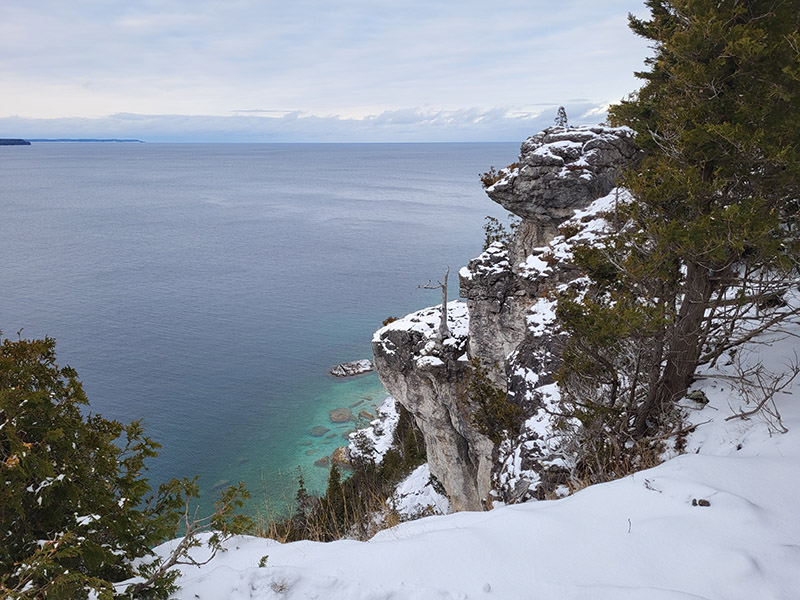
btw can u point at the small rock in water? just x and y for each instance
(319, 431)
(312, 451)
(346, 434)
(322, 462)
(367, 416)
(331, 435)
(221, 483)
(354, 404)
(348, 369)
(340, 415)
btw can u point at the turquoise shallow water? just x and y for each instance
(207, 288)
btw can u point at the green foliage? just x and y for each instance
(718, 119)
(492, 414)
(495, 231)
(712, 232)
(350, 503)
(596, 264)
(75, 510)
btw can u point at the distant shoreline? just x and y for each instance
(14, 142)
(83, 140)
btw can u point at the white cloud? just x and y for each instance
(266, 125)
(353, 58)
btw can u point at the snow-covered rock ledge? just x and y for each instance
(561, 171)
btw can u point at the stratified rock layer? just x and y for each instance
(561, 171)
(428, 377)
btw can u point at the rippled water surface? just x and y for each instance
(207, 288)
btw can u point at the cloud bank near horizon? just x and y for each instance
(260, 126)
(309, 69)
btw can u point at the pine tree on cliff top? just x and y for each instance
(718, 118)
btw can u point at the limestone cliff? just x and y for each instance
(507, 321)
(428, 378)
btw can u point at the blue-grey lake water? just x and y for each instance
(207, 288)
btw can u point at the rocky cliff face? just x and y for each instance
(560, 171)
(428, 377)
(508, 321)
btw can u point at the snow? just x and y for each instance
(415, 496)
(541, 316)
(558, 149)
(645, 537)
(380, 433)
(426, 322)
(492, 260)
(429, 361)
(589, 226)
(86, 519)
(534, 266)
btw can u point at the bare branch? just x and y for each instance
(758, 381)
(444, 331)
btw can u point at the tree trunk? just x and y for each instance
(685, 345)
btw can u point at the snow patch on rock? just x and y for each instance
(379, 434)
(417, 497)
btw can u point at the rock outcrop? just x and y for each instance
(508, 321)
(349, 369)
(559, 172)
(428, 377)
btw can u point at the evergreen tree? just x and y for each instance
(712, 234)
(719, 119)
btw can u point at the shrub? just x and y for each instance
(570, 229)
(495, 231)
(350, 504)
(75, 510)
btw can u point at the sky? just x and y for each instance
(308, 70)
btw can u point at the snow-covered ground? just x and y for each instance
(719, 522)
